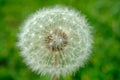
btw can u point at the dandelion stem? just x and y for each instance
(55, 64)
(56, 77)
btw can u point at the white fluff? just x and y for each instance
(33, 48)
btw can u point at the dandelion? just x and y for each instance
(55, 41)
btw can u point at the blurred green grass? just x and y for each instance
(103, 15)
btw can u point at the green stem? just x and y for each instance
(56, 63)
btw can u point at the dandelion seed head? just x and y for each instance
(55, 31)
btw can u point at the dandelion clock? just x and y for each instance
(55, 41)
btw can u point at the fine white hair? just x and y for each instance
(33, 47)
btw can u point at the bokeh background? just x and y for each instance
(104, 17)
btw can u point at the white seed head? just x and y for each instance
(55, 41)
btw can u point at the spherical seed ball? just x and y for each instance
(55, 41)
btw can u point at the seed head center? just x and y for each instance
(56, 40)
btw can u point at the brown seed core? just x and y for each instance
(56, 40)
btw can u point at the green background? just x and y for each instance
(103, 16)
